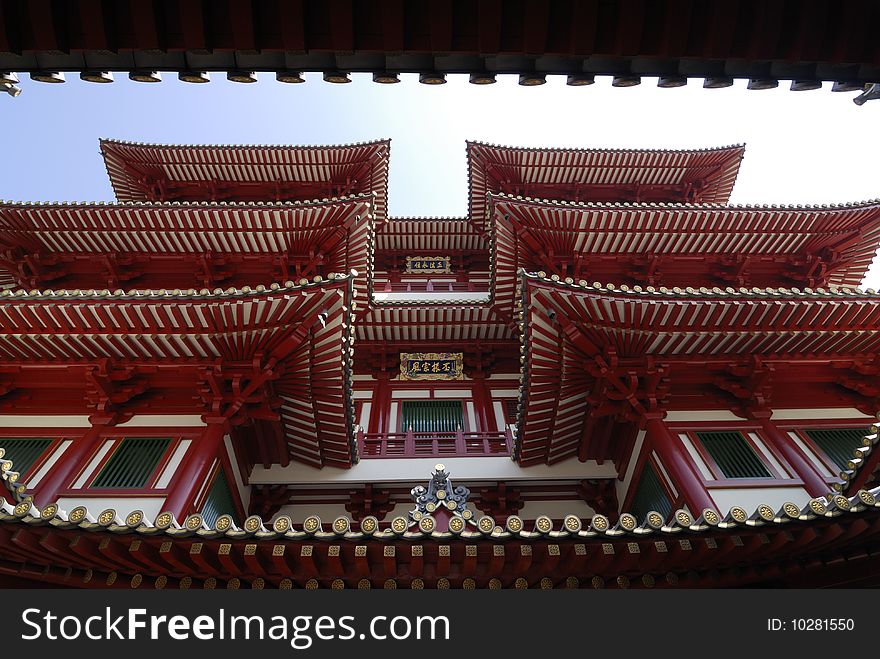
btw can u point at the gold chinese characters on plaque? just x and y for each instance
(429, 264)
(431, 366)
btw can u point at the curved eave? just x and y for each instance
(723, 164)
(664, 323)
(172, 295)
(120, 158)
(573, 528)
(849, 231)
(179, 327)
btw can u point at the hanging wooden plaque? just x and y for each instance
(431, 366)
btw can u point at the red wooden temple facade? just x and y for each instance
(243, 373)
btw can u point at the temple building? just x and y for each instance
(244, 374)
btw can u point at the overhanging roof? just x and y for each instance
(276, 328)
(339, 231)
(822, 40)
(692, 244)
(610, 175)
(424, 235)
(160, 172)
(111, 551)
(567, 326)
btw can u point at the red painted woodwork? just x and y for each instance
(197, 465)
(434, 287)
(679, 466)
(815, 483)
(75, 459)
(411, 444)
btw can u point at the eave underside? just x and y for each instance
(823, 41)
(831, 547)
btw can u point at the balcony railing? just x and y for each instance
(434, 444)
(433, 287)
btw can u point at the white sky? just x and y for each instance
(801, 147)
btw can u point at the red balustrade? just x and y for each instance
(434, 444)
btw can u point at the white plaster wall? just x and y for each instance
(623, 486)
(768, 454)
(696, 457)
(164, 420)
(151, 506)
(47, 421)
(408, 470)
(811, 455)
(429, 296)
(702, 415)
(93, 464)
(392, 418)
(819, 413)
(556, 510)
(173, 464)
(412, 393)
(244, 491)
(471, 413)
(752, 497)
(662, 473)
(499, 414)
(33, 481)
(364, 421)
(452, 393)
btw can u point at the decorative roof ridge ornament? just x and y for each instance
(441, 499)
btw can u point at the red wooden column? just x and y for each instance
(194, 469)
(381, 407)
(678, 464)
(814, 481)
(483, 404)
(73, 461)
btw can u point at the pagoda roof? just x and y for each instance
(165, 172)
(567, 325)
(340, 230)
(702, 242)
(426, 234)
(429, 320)
(164, 549)
(704, 175)
(273, 330)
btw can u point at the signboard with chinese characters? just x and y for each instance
(429, 264)
(431, 366)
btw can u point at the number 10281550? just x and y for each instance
(811, 625)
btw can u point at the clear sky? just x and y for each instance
(801, 147)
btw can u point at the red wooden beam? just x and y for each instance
(678, 464)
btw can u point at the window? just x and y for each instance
(431, 416)
(837, 443)
(133, 463)
(24, 452)
(650, 495)
(733, 455)
(219, 500)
